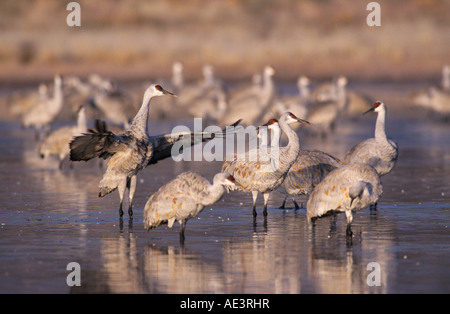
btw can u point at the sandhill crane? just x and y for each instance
(435, 100)
(379, 151)
(324, 114)
(184, 198)
(356, 102)
(114, 105)
(252, 105)
(209, 84)
(21, 101)
(310, 167)
(57, 142)
(44, 112)
(298, 103)
(130, 151)
(264, 176)
(345, 189)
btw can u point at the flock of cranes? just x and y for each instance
(334, 185)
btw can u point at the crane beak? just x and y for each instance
(165, 92)
(371, 109)
(301, 121)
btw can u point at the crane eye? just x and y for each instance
(272, 121)
(377, 104)
(159, 88)
(231, 179)
(293, 116)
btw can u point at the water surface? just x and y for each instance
(49, 218)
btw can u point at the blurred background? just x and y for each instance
(139, 39)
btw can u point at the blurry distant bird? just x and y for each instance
(57, 142)
(345, 189)
(209, 85)
(21, 102)
(323, 114)
(252, 104)
(45, 111)
(298, 103)
(184, 198)
(114, 105)
(436, 100)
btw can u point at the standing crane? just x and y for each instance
(310, 167)
(184, 198)
(264, 176)
(345, 189)
(130, 151)
(379, 151)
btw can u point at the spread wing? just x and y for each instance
(163, 144)
(98, 142)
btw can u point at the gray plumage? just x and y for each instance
(184, 198)
(129, 152)
(380, 152)
(254, 103)
(57, 142)
(345, 189)
(45, 111)
(310, 168)
(264, 176)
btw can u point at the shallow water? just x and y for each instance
(49, 218)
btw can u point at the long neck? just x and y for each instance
(293, 146)
(304, 92)
(341, 96)
(267, 88)
(81, 121)
(178, 79)
(380, 132)
(275, 137)
(139, 126)
(58, 97)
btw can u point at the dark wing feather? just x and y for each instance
(98, 142)
(163, 144)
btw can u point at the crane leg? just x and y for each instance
(121, 188)
(348, 231)
(295, 204)
(182, 227)
(284, 203)
(266, 200)
(255, 195)
(132, 189)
